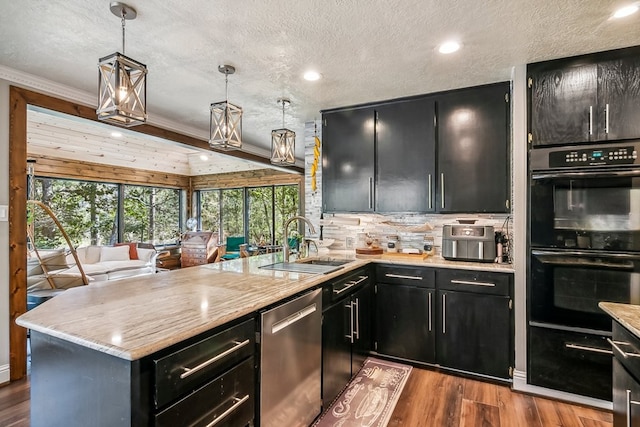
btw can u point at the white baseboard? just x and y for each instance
(520, 384)
(4, 374)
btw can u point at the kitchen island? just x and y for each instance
(97, 351)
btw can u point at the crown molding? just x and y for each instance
(48, 87)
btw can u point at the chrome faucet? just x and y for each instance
(285, 246)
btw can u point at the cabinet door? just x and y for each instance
(474, 333)
(405, 144)
(405, 322)
(473, 157)
(563, 105)
(626, 397)
(362, 303)
(336, 351)
(348, 161)
(619, 99)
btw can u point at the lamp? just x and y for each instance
(122, 82)
(225, 124)
(283, 142)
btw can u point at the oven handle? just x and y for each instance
(611, 173)
(584, 254)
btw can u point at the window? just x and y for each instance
(267, 208)
(89, 212)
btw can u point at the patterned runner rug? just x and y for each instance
(370, 397)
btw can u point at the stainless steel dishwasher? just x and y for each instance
(290, 362)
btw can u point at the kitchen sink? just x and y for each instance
(311, 266)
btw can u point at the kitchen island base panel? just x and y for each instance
(77, 386)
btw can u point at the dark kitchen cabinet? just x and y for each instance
(475, 325)
(346, 331)
(405, 312)
(348, 160)
(586, 98)
(473, 150)
(626, 377)
(406, 163)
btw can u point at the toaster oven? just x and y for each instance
(464, 242)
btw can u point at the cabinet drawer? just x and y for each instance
(229, 400)
(626, 348)
(570, 361)
(406, 275)
(474, 281)
(187, 368)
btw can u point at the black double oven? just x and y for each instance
(584, 247)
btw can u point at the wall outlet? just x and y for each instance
(349, 242)
(4, 213)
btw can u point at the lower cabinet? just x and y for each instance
(458, 319)
(346, 331)
(626, 377)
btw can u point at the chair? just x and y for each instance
(232, 250)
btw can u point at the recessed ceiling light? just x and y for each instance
(204, 157)
(449, 47)
(312, 76)
(116, 134)
(626, 11)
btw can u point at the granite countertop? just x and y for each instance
(135, 317)
(628, 315)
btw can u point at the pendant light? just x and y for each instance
(283, 142)
(122, 81)
(225, 124)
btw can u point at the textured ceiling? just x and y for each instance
(366, 50)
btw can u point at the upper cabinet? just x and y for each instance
(444, 153)
(406, 164)
(473, 150)
(588, 98)
(348, 159)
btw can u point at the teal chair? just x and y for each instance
(233, 247)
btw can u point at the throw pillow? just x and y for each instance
(145, 254)
(133, 252)
(114, 253)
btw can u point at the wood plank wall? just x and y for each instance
(254, 178)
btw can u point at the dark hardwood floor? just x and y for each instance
(428, 399)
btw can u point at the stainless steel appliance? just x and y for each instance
(584, 213)
(291, 341)
(467, 242)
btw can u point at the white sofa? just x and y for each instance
(99, 263)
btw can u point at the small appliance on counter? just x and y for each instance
(468, 242)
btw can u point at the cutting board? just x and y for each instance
(398, 255)
(369, 251)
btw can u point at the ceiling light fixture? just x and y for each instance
(225, 124)
(116, 134)
(283, 142)
(312, 76)
(449, 47)
(204, 157)
(122, 81)
(625, 11)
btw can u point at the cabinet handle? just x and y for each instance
(444, 313)
(190, 371)
(616, 344)
(606, 119)
(590, 119)
(465, 282)
(629, 403)
(587, 348)
(238, 403)
(429, 311)
(357, 317)
(349, 285)
(430, 201)
(370, 192)
(442, 190)
(350, 336)
(401, 276)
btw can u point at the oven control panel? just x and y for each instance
(593, 157)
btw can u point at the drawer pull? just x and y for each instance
(350, 284)
(190, 371)
(466, 282)
(401, 276)
(586, 348)
(616, 344)
(235, 406)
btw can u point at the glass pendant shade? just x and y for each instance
(122, 90)
(225, 126)
(225, 122)
(283, 142)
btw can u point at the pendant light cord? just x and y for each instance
(123, 23)
(283, 114)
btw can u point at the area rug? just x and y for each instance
(369, 399)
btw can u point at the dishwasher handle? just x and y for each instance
(293, 318)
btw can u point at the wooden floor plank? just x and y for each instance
(517, 409)
(480, 391)
(590, 422)
(476, 414)
(554, 413)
